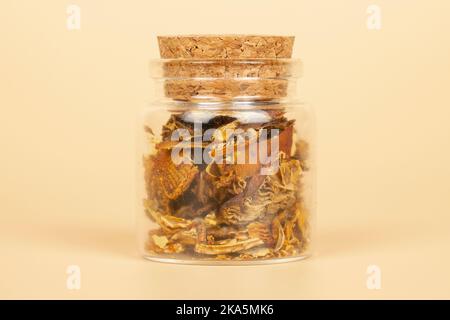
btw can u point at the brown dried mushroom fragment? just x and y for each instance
(203, 189)
(222, 232)
(263, 194)
(173, 124)
(302, 224)
(261, 231)
(169, 224)
(231, 211)
(160, 244)
(234, 210)
(302, 153)
(168, 179)
(278, 234)
(160, 241)
(291, 236)
(256, 253)
(228, 246)
(289, 174)
(186, 237)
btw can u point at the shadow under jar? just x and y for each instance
(226, 172)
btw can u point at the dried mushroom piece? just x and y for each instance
(169, 224)
(262, 231)
(185, 237)
(302, 153)
(228, 246)
(278, 234)
(168, 179)
(256, 253)
(160, 244)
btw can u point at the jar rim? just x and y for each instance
(236, 105)
(223, 69)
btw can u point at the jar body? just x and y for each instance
(226, 183)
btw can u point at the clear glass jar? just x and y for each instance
(226, 171)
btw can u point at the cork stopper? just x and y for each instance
(225, 47)
(226, 67)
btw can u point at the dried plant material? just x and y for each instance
(247, 206)
(172, 180)
(256, 253)
(210, 219)
(225, 47)
(303, 224)
(302, 153)
(185, 237)
(231, 211)
(160, 241)
(168, 223)
(161, 245)
(278, 234)
(223, 257)
(227, 246)
(261, 231)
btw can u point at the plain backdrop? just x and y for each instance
(68, 106)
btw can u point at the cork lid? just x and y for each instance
(225, 47)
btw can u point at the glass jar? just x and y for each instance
(226, 171)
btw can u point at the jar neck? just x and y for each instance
(226, 80)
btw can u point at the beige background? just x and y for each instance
(69, 100)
